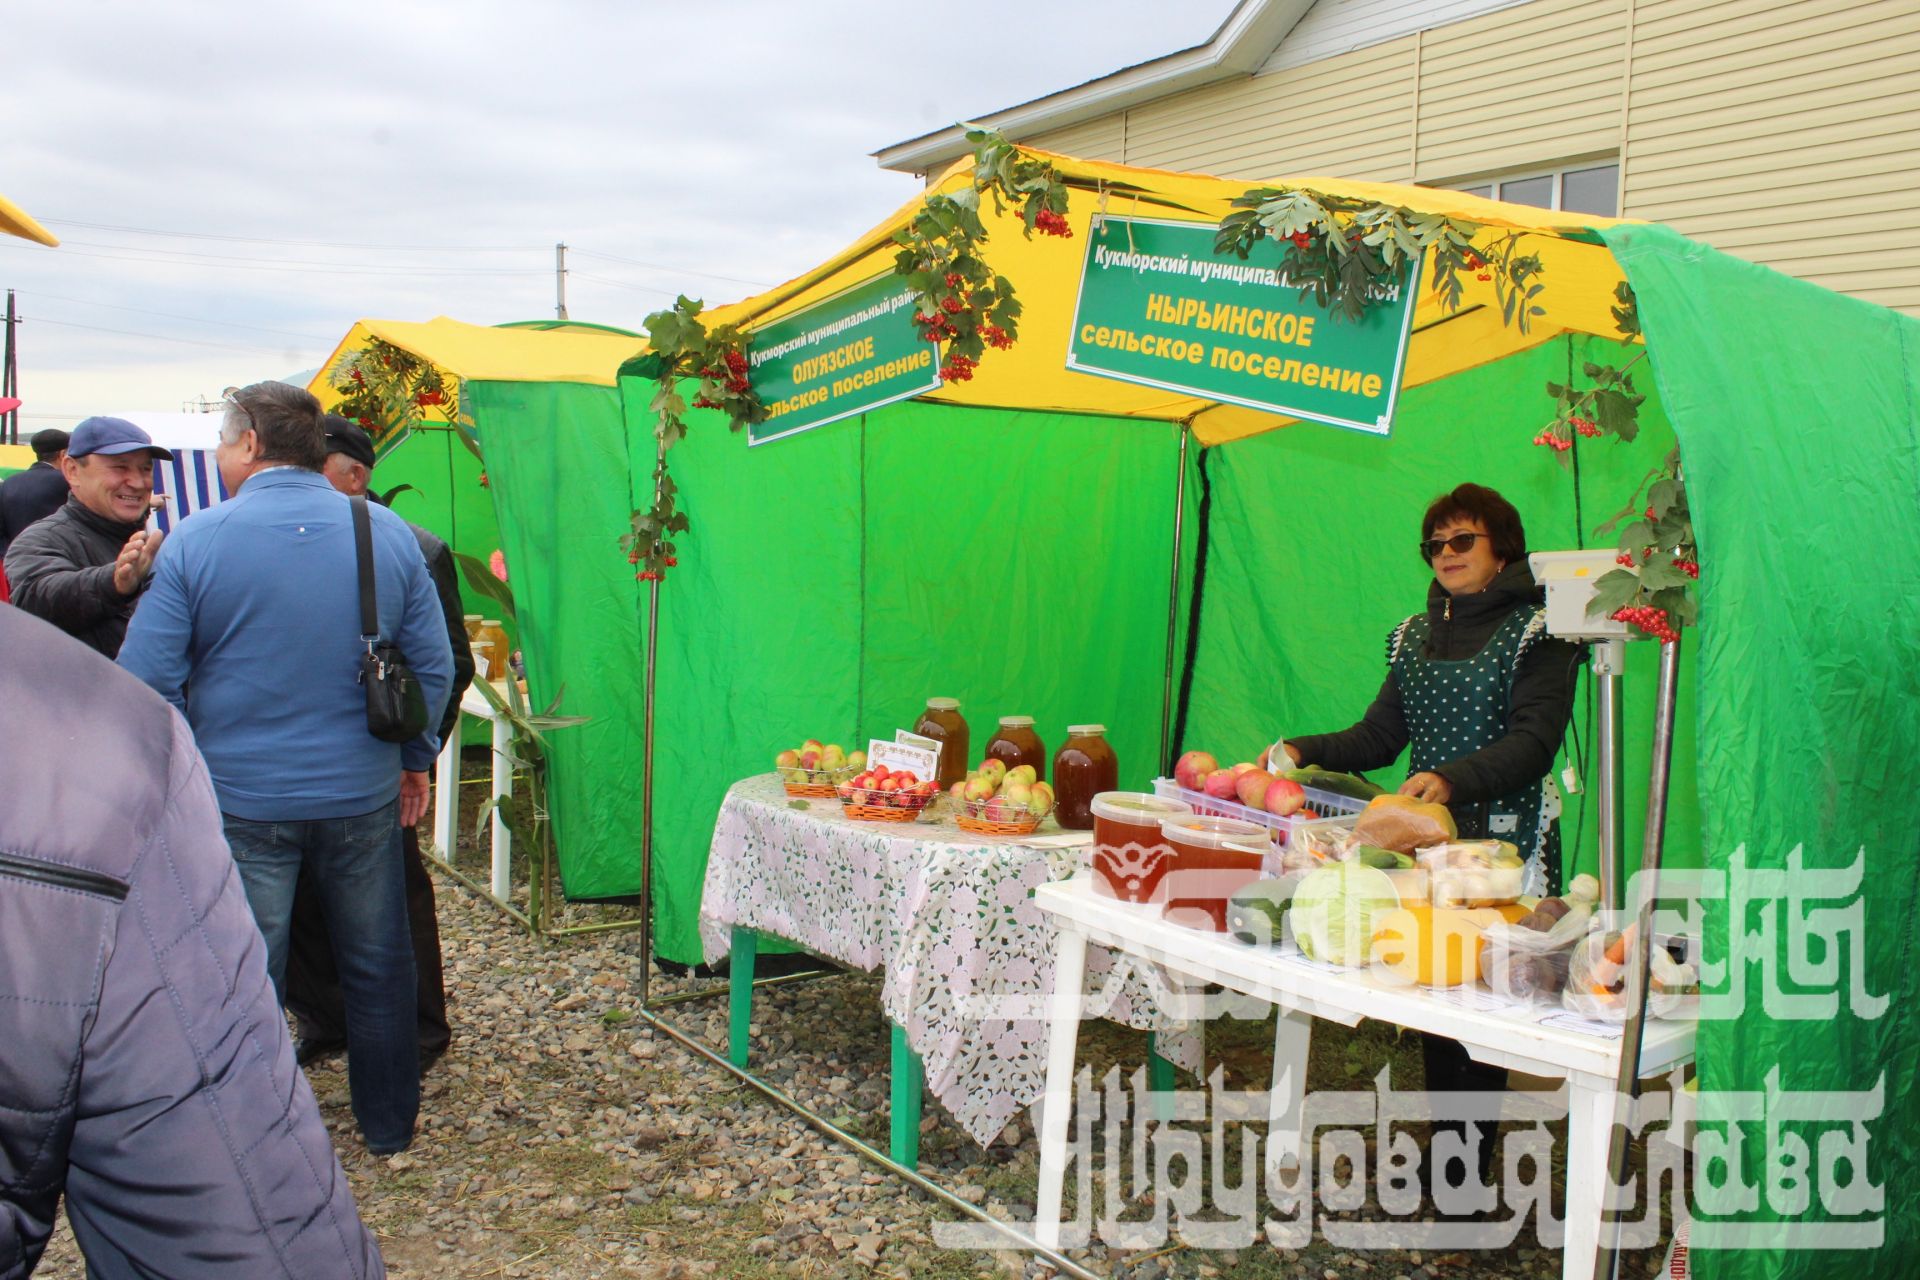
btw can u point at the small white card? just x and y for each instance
(906, 739)
(1570, 1021)
(901, 757)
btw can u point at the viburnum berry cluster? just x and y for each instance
(387, 390)
(1551, 438)
(1649, 619)
(1049, 223)
(680, 347)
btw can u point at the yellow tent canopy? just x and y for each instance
(16, 222)
(1578, 272)
(487, 354)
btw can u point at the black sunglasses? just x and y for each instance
(1459, 542)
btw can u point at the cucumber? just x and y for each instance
(1339, 784)
(1371, 855)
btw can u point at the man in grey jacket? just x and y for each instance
(145, 1067)
(83, 567)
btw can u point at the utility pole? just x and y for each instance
(560, 280)
(9, 379)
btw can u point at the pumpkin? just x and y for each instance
(1435, 946)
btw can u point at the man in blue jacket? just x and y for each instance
(252, 627)
(145, 1069)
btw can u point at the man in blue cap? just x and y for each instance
(37, 492)
(83, 567)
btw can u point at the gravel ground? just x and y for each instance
(562, 1138)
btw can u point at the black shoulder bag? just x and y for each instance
(396, 708)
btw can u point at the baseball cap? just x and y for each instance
(110, 436)
(348, 437)
(52, 440)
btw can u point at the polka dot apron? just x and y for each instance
(1455, 708)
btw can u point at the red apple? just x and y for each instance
(1251, 785)
(1243, 767)
(1193, 767)
(1284, 797)
(879, 771)
(1219, 784)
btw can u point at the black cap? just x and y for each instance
(49, 442)
(346, 436)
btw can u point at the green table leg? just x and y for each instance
(746, 945)
(904, 1122)
(1159, 1079)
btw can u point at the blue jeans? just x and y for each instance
(355, 864)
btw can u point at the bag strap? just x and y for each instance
(363, 551)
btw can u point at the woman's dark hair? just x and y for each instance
(1495, 514)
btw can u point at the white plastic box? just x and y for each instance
(1568, 577)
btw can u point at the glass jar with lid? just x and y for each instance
(1015, 743)
(943, 723)
(1084, 767)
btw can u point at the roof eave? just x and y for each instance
(1242, 43)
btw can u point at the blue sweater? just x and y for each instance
(252, 628)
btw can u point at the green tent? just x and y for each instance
(1024, 560)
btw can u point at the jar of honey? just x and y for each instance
(491, 643)
(942, 722)
(1130, 854)
(1083, 767)
(1015, 743)
(1213, 859)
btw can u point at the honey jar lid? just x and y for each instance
(1016, 722)
(1084, 730)
(943, 704)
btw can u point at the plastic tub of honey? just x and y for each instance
(1213, 859)
(1130, 854)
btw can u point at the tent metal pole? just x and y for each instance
(1608, 667)
(646, 772)
(1165, 763)
(1016, 1237)
(1627, 1084)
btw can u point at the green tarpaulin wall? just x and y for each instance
(1020, 562)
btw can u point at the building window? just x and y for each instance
(1591, 189)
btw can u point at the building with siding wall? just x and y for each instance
(1783, 131)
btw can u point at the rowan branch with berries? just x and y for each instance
(1351, 254)
(1652, 590)
(390, 391)
(681, 348)
(959, 301)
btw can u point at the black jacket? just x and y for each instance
(34, 494)
(446, 585)
(1536, 721)
(61, 569)
(145, 1067)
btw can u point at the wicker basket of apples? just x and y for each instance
(994, 800)
(817, 769)
(881, 794)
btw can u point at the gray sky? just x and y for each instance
(708, 148)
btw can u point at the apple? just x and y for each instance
(1243, 767)
(996, 769)
(856, 759)
(1283, 797)
(878, 771)
(813, 744)
(787, 760)
(1017, 794)
(1251, 786)
(1042, 800)
(958, 790)
(1219, 784)
(979, 789)
(907, 777)
(999, 810)
(1193, 767)
(1023, 773)
(833, 758)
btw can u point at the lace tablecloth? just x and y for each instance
(947, 914)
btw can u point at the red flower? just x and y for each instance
(483, 479)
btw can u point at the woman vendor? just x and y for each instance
(1481, 694)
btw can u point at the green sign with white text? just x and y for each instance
(1158, 307)
(850, 353)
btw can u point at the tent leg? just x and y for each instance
(1627, 1085)
(1609, 665)
(1165, 762)
(646, 784)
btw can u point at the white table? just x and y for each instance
(1302, 991)
(446, 788)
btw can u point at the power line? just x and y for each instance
(307, 244)
(244, 264)
(661, 266)
(156, 337)
(174, 315)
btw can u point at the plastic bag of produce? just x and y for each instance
(1403, 824)
(1312, 845)
(1600, 977)
(1473, 873)
(1335, 910)
(1530, 957)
